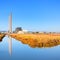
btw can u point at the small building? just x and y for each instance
(22, 32)
(18, 29)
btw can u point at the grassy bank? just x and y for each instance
(2, 36)
(38, 40)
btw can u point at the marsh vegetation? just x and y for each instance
(38, 40)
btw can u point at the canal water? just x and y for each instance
(24, 52)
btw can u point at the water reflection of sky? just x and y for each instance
(24, 52)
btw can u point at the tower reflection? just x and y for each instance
(10, 45)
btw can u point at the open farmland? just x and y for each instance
(38, 40)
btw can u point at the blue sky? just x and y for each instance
(33, 15)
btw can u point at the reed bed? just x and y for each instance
(2, 36)
(38, 40)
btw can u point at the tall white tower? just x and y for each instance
(10, 31)
(10, 23)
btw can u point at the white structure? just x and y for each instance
(10, 23)
(10, 31)
(22, 32)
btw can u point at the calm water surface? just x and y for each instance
(24, 52)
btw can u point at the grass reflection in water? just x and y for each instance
(1, 36)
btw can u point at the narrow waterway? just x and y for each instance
(24, 52)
